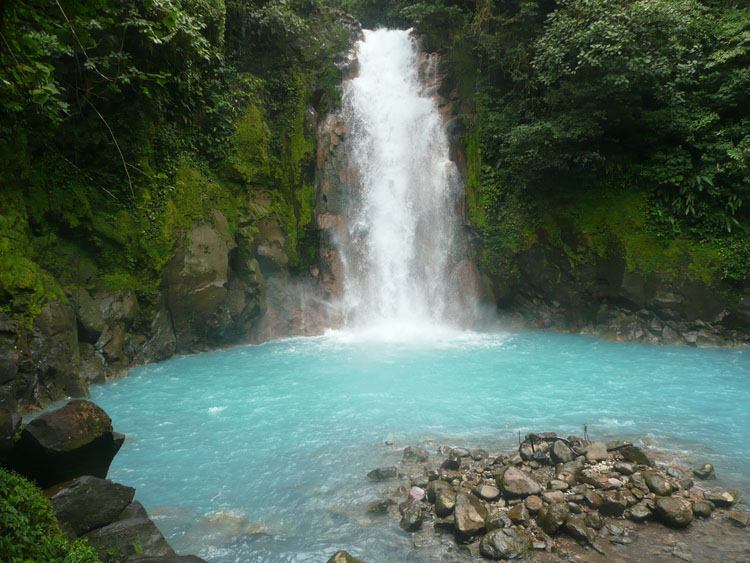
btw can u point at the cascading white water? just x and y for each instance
(403, 246)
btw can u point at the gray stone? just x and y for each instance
(553, 497)
(487, 492)
(470, 514)
(674, 511)
(88, 502)
(624, 468)
(551, 517)
(91, 322)
(596, 451)
(505, 543)
(516, 483)
(561, 453)
(497, 519)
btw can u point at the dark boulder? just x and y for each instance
(674, 511)
(71, 441)
(383, 473)
(412, 518)
(124, 539)
(88, 502)
(658, 483)
(705, 472)
(551, 517)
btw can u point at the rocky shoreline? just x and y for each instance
(67, 453)
(561, 499)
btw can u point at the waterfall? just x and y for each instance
(403, 247)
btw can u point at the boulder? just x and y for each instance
(674, 511)
(552, 517)
(561, 453)
(470, 514)
(383, 473)
(414, 454)
(343, 557)
(126, 538)
(506, 543)
(516, 483)
(705, 472)
(88, 502)
(596, 451)
(58, 446)
(162, 343)
(657, 483)
(637, 455)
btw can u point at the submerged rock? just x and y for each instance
(383, 473)
(414, 454)
(705, 472)
(343, 557)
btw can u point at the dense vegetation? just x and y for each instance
(122, 123)
(626, 119)
(28, 528)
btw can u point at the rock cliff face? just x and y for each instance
(607, 299)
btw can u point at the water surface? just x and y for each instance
(284, 433)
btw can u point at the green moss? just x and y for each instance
(474, 199)
(30, 531)
(250, 146)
